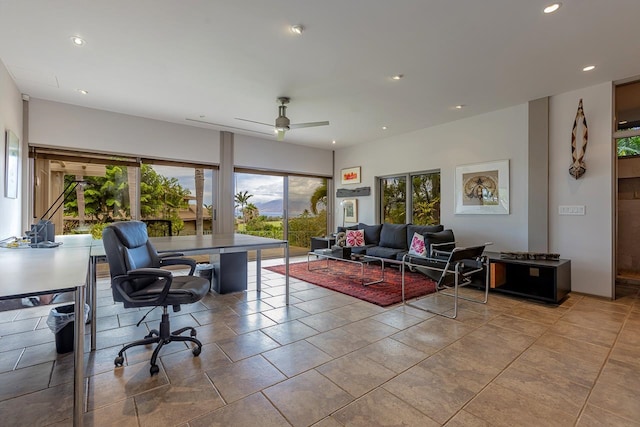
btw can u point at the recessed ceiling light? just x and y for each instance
(552, 8)
(297, 29)
(459, 107)
(397, 77)
(333, 142)
(589, 68)
(82, 91)
(384, 128)
(77, 41)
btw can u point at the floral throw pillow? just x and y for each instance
(417, 245)
(355, 238)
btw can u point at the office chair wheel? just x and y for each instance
(193, 333)
(119, 361)
(154, 370)
(196, 351)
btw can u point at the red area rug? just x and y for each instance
(344, 277)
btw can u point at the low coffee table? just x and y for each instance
(360, 260)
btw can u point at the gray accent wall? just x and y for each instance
(538, 204)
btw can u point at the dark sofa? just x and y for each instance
(392, 240)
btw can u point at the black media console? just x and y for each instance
(542, 280)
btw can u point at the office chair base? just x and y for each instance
(161, 338)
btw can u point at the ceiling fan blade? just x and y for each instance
(253, 121)
(226, 126)
(307, 125)
(280, 135)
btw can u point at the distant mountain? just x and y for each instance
(270, 208)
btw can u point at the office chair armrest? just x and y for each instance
(179, 261)
(148, 272)
(151, 273)
(170, 255)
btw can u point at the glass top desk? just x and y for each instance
(193, 245)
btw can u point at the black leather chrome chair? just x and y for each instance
(137, 280)
(451, 270)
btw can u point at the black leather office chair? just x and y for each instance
(138, 281)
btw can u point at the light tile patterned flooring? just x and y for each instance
(332, 360)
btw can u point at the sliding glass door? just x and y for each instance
(284, 206)
(307, 210)
(259, 205)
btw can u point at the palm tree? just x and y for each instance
(241, 199)
(250, 212)
(319, 196)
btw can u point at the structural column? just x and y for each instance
(226, 202)
(538, 197)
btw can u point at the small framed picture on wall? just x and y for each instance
(12, 162)
(350, 175)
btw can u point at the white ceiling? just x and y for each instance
(222, 59)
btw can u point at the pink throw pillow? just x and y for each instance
(355, 237)
(417, 245)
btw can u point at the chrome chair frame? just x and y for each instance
(457, 264)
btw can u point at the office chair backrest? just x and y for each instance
(127, 247)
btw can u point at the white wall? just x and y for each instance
(10, 118)
(493, 136)
(64, 125)
(277, 155)
(585, 240)
(69, 126)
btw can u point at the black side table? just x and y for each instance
(322, 242)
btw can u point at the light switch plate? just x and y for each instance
(571, 210)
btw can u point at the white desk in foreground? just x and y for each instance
(32, 272)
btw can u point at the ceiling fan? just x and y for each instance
(283, 123)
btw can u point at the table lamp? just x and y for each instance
(42, 233)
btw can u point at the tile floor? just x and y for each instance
(332, 360)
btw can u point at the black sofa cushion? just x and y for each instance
(371, 233)
(384, 252)
(421, 230)
(394, 236)
(360, 250)
(344, 229)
